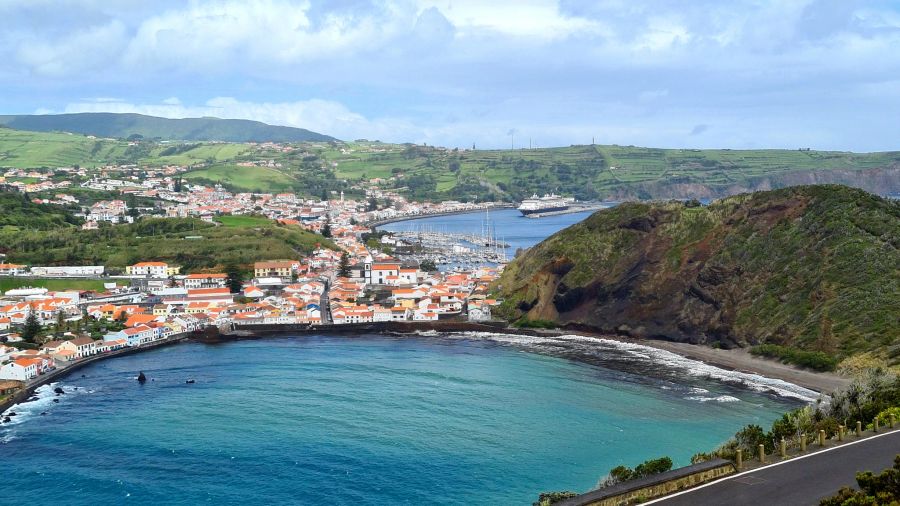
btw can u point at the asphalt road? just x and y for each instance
(800, 481)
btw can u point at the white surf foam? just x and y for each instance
(27, 410)
(654, 356)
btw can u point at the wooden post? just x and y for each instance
(762, 454)
(892, 420)
(858, 428)
(739, 459)
(821, 438)
(875, 425)
(783, 447)
(803, 442)
(840, 432)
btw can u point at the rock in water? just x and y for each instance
(59, 390)
(141, 378)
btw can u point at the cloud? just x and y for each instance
(699, 129)
(451, 71)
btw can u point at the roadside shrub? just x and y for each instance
(549, 498)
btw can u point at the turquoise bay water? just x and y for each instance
(367, 420)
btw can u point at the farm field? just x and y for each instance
(254, 179)
(53, 284)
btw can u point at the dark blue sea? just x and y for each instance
(462, 419)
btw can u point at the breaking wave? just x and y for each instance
(647, 358)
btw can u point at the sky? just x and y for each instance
(823, 74)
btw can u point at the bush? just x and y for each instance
(876, 489)
(525, 323)
(815, 360)
(548, 498)
(620, 474)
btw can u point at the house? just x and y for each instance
(205, 281)
(220, 295)
(275, 269)
(9, 387)
(379, 272)
(140, 319)
(421, 315)
(152, 269)
(5, 323)
(12, 269)
(58, 346)
(21, 369)
(84, 346)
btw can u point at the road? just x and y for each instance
(799, 481)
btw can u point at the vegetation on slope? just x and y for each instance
(815, 268)
(610, 172)
(19, 213)
(190, 243)
(189, 129)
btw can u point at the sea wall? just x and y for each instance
(651, 487)
(248, 331)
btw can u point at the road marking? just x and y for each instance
(795, 459)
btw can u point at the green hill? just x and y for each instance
(811, 268)
(122, 126)
(608, 172)
(18, 213)
(190, 243)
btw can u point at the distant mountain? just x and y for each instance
(104, 124)
(813, 268)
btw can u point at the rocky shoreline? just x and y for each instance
(735, 360)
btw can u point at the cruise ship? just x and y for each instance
(546, 204)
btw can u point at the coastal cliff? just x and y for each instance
(814, 268)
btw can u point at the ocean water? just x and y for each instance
(508, 224)
(432, 419)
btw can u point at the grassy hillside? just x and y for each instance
(612, 172)
(256, 179)
(188, 129)
(814, 268)
(191, 243)
(18, 213)
(53, 284)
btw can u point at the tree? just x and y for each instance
(427, 265)
(344, 266)
(324, 195)
(883, 488)
(326, 230)
(178, 185)
(235, 278)
(32, 327)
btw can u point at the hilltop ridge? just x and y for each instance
(123, 125)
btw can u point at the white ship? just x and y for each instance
(546, 204)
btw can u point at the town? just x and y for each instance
(151, 301)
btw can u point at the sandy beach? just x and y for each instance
(741, 360)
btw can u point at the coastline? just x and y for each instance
(739, 360)
(733, 360)
(60, 373)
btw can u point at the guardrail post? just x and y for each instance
(739, 459)
(821, 438)
(840, 432)
(858, 428)
(803, 442)
(783, 447)
(892, 420)
(762, 454)
(875, 425)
